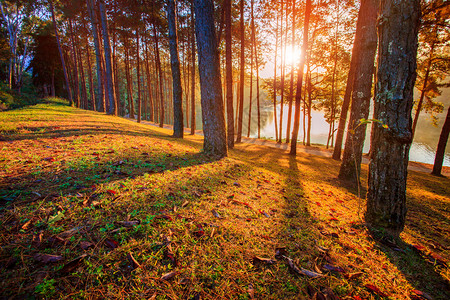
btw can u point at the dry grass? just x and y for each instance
(71, 178)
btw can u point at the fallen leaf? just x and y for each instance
(251, 291)
(48, 258)
(260, 260)
(130, 223)
(169, 275)
(133, 261)
(112, 243)
(264, 213)
(375, 290)
(111, 192)
(421, 294)
(73, 264)
(301, 271)
(333, 268)
(353, 275)
(86, 245)
(27, 224)
(58, 217)
(236, 184)
(216, 214)
(50, 159)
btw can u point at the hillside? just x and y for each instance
(95, 206)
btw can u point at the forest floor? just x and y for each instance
(95, 206)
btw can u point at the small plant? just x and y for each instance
(46, 288)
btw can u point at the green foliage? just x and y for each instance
(9, 99)
(46, 288)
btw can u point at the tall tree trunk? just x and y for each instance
(275, 82)
(333, 83)
(94, 22)
(178, 128)
(116, 73)
(258, 105)
(300, 79)
(242, 74)
(396, 74)
(440, 152)
(76, 90)
(349, 87)
(91, 81)
(309, 117)
(291, 84)
(283, 69)
(160, 77)
(193, 122)
(149, 84)
(129, 79)
(251, 67)
(107, 48)
(425, 83)
(138, 75)
(61, 56)
(215, 141)
(362, 92)
(83, 80)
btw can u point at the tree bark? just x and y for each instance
(275, 82)
(300, 79)
(362, 92)
(76, 89)
(61, 56)
(94, 23)
(149, 84)
(91, 81)
(398, 27)
(178, 128)
(291, 85)
(193, 121)
(107, 48)
(215, 141)
(283, 69)
(252, 25)
(138, 75)
(440, 152)
(160, 79)
(242, 74)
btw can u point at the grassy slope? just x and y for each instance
(70, 177)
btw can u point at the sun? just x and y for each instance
(292, 55)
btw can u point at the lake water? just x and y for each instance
(422, 150)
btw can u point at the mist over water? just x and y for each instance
(422, 150)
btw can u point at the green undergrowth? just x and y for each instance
(94, 206)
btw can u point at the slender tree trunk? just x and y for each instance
(193, 122)
(138, 75)
(128, 78)
(149, 84)
(300, 79)
(333, 83)
(291, 84)
(242, 74)
(91, 81)
(94, 22)
(308, 132)
(283, 67)
(61, 56)
(440, 152)
(178, 128)
(275, 82)
(251, 68)
(160, 78)
(215, 141)
(83, 80)
(75, 67)
(107, 47)
(362, 92)
(424, 87)
(396, 74)
(258, 105)
(349, 87)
